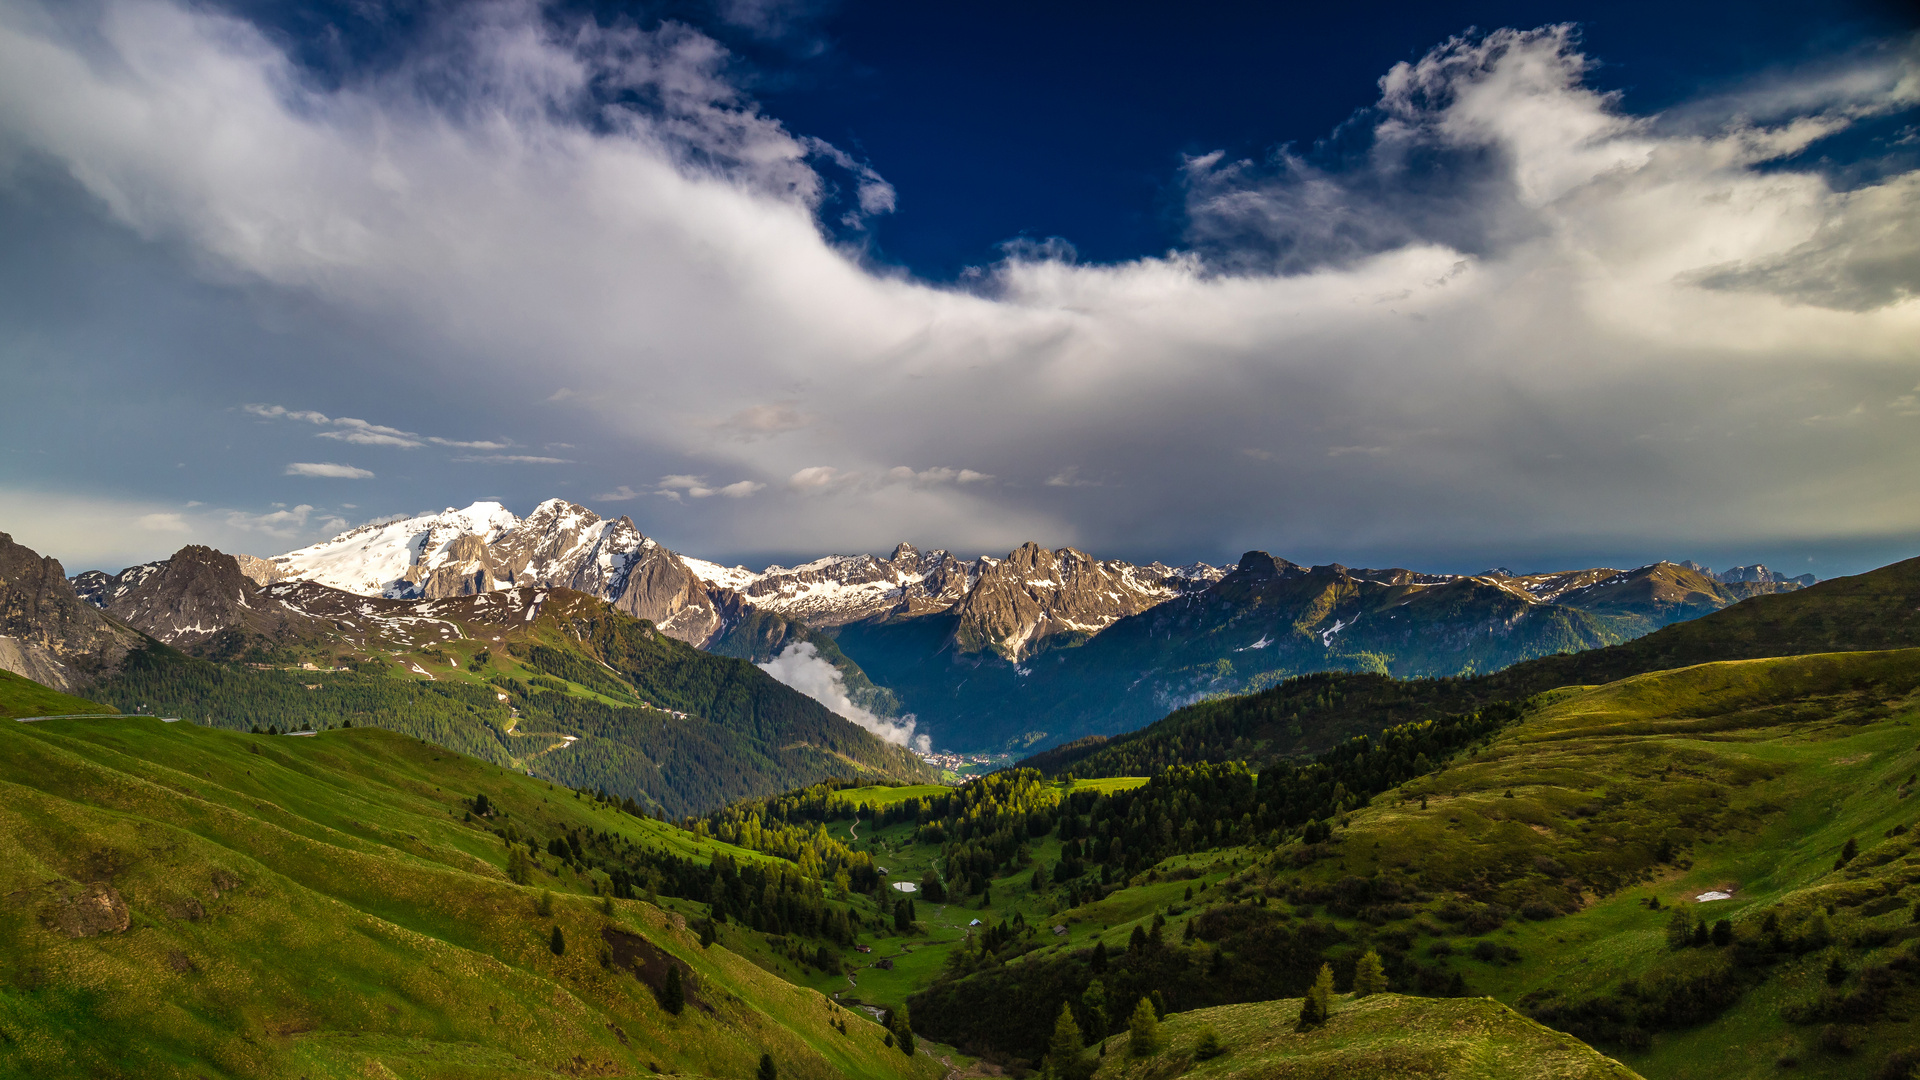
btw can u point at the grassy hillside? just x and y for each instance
(571, 690)
(1381, 1037)
(186, 901)
(21, 696)
(1543, 863)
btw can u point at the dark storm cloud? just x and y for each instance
(1504, 312)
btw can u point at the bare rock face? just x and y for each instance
(47, 632)
(1034, 595)
(88, 911)
(260, 570)
(466, 568)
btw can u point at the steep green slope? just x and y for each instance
(1543, 863)
(1876, 610)
(21, 696)
(185, 901)
(560, 685)
(1381, 1037)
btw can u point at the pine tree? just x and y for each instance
(1208, 1045)
(1369, 977)
(1066, 1052)
(674, 997)
(545, 906)
(707, 933)
(1159, 1006)
(1318, 1004)
(1679, 927)
(559, 942)
(767, 1071)
(1093, 1006)
(1143, 1030)
(902, 1030)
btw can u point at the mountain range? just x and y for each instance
(546, 680)
(1036, 648)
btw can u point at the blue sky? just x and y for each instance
(1443, 286)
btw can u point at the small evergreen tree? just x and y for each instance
(1369, 977)
(1066, 1051)
(902, 1031)
(1143, 1030)
(1093, 1008)
(767, 1071)
(1723, 933)
(606, 904)
(1847, 852)
(1159, 1006)
(707, 933)
(1208, 1045)
(674, 997)
(1679, 927)
(1701, 935)
(1318, 1004)
(559, 942)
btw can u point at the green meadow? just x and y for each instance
(189, 902)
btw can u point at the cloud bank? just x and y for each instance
(1496, 308)
(799, 666)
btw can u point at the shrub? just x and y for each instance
(1900, 1065)
(558, 943)
(1835, 1040)
(1208, 1045)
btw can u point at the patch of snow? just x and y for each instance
(1712, 895)
(906, 886)
(1261, 644)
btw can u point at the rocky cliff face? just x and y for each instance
(1035, 597)
(47, 632)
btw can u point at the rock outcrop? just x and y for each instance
(47, 632)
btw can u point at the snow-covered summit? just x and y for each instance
(376, 559)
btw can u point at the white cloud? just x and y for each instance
(1564, 319)
(512, 459)
(327, 469)
(363, 433)
(162, 522)
(799, 666)
(698, 488)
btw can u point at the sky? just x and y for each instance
(1441, 286)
